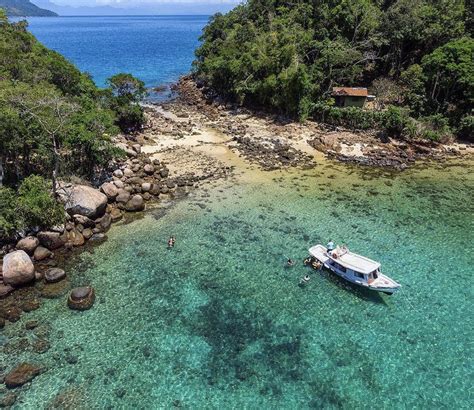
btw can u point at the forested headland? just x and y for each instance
(416, 56)
(54, 123)
(24, 8)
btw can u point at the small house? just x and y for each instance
(350, 96)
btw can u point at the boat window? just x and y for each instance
(374, 274)
(359, 275)
(342, 268)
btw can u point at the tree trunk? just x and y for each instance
(55, 165)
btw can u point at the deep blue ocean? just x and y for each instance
(156, 49)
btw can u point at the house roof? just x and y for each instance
(350, 91)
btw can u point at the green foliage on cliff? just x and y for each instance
(24, 8)
(286, 57)
(53, 119)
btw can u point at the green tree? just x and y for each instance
(126, 92)
(449, 72)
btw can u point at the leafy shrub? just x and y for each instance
(36, 203)
(350, 117)
(395, 120)
(9, 217)
(466, 128)
(33, 205)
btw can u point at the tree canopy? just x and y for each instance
(287, 56)
(52, 116)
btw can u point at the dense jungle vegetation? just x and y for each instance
(54, 123)
(416, 56)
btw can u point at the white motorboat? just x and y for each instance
(355, 268)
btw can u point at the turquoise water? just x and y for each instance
(156, 49)
(220, 322)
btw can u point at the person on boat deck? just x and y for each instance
(330, 246)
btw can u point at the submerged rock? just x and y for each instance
(98, 237)
(22, 374)
(54, 275)
(18, 268)
(12, 313)
(8, 399)
(81, 298)
(54, 290)
(115, 214)
(41, 346)
(104, 222)
(28, 244)
(30, 304)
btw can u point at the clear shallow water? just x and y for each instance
(219, 321)
(156, 49)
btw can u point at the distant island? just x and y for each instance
(24, 8)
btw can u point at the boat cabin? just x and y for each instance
(363, 276)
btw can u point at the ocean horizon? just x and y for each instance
(106, 45)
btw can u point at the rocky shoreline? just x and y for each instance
(275, 142)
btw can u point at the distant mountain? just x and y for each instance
(170, 7)
(24, 8)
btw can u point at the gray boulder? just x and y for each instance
(118, 173)
(110, 190)
(17, 268)
(127, 172)
(28, 244)
(119, 184)
(51, 240)
(149, 169)
(123, 196)
(84, 200)
(135, 204)
(83, 220)
(41, 253)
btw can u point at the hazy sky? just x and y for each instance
(139, 3)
